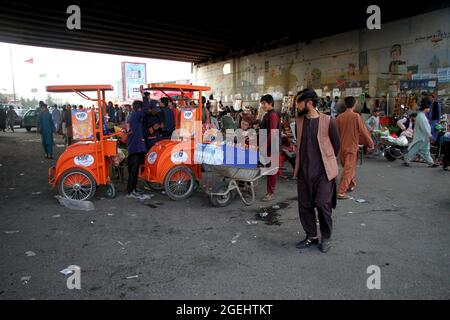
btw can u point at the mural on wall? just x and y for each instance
(396, 66)
(249, 80)
(416, 55)
(278, 79)
(316, 78)
(415, 62)
(335, 75)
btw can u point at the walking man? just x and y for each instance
(11, 115)
(2, 119)
(67, 124)
(420, 144)
(333, 108)
(434, 115)
(352, 130)
(316, 169)
(46, 127)
(56, 117)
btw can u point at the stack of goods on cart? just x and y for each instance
(383, 132)
(121, 155)
(390, 136)
(226, 154)
(122, 152)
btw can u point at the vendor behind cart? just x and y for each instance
(373, 125)
(167, 118)
(407, 125)
(153, 134)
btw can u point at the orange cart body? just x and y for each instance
(88, 159)
(163, 156)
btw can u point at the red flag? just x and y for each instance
(29, 60)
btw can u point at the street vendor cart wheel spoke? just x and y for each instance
(179, 183)
(77, 185)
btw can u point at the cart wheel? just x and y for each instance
(221, 201)
(77, 185)
(388, 156)
(179, 183)
(155, 186)
(110, 190)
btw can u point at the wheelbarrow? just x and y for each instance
(236, 180)
(392, 149)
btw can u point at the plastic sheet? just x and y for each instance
(75, 204)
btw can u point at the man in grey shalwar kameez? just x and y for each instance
(422, 135)
(56, 117)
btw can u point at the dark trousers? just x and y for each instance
(167, 134)
(446, 152)
(134, 161)
(48, 148)
(308, 220)
(320, 199)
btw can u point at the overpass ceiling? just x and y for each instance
(197, 32)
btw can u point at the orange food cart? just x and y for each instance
(170, 164)
(86, 164)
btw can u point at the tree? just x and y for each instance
(27, 103)
(49, 100)
(3, 98)
(33, 103)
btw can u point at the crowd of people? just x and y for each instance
(7, 118)
(320, 138)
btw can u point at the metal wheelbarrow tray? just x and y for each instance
(238, 180)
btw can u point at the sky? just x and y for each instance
(65, 67)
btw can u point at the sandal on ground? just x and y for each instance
(343, 197)
(268, 197)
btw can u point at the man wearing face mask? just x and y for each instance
(316, 169)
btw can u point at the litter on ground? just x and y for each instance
(30, 254)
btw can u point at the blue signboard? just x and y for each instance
(425, 84)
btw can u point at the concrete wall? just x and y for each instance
(353, 62)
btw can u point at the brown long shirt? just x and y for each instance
(352, 132)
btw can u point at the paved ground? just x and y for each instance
(183, 250)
